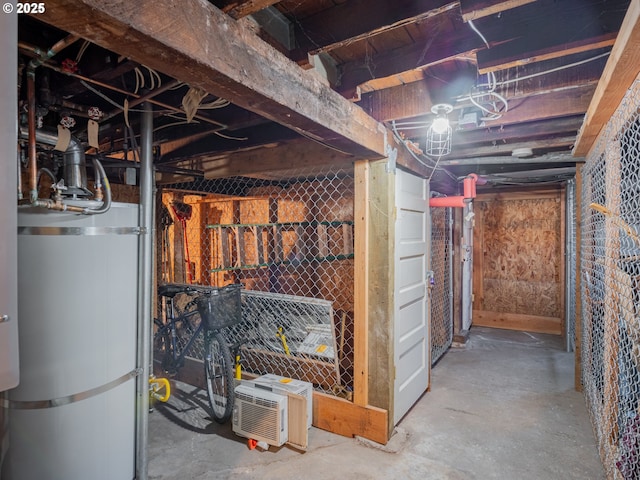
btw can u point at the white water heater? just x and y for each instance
(73, 414)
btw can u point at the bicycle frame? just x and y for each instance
(171, 327)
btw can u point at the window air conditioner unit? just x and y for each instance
(260, 415)
(284, 385)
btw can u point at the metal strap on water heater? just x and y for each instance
(84, 231)
(76, 397)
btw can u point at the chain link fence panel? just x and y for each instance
(441, 293)
(289, 236)
(610, 289)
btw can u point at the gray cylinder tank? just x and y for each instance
(73, 414)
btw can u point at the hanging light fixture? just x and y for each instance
(439, 132)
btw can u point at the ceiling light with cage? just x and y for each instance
(439, 132)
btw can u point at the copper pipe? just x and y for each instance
(62, 44)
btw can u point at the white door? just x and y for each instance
(411, 333)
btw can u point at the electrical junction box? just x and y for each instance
(284, 385)
(261, 415)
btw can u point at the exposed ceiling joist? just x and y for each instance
(509, 160)
(620, 72)
(474, 9)
(500, 148)
(442, 49)
(374, 17)
(266, 134)
(239, 9)
(534, 129)
(203, 47)
(522, 52)
(560, 103)
(405, 101)
(303, 155)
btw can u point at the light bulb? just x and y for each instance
(440, 125)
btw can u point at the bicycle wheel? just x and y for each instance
(218, 373)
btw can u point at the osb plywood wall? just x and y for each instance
(519, 261)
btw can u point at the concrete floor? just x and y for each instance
(502, 408)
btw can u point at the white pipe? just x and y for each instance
(145, 290)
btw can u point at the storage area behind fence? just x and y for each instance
(610, 288)
(289, 241)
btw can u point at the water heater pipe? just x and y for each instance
(31, 103)
(74, 172)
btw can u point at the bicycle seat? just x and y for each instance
(170, 290)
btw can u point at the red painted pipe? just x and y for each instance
(457, 201)
(469, 189)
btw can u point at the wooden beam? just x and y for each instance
(239, 9)
(409, 100)
(474, 9)
(559, 142)
(413, 100)
(405, 59)
(197, 43)
(340, 416)
(620, 72)
(561, 103)
(295, 154)
(509, 160)
(517, 321)
(523, 52)
(374, 17)
(521, 131)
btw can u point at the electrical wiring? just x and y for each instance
(552, 70)
(218, 103)
(154, 77)
(84, 46)
(184, 122)
(433, 167)
(497, 111)
(111, 101)
(241, 139)
(492, 82)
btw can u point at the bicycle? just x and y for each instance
(211, 310)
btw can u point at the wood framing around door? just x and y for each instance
(518, 261)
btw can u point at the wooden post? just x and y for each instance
(374, 236)
(361, 284)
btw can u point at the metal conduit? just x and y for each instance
(145, 293)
